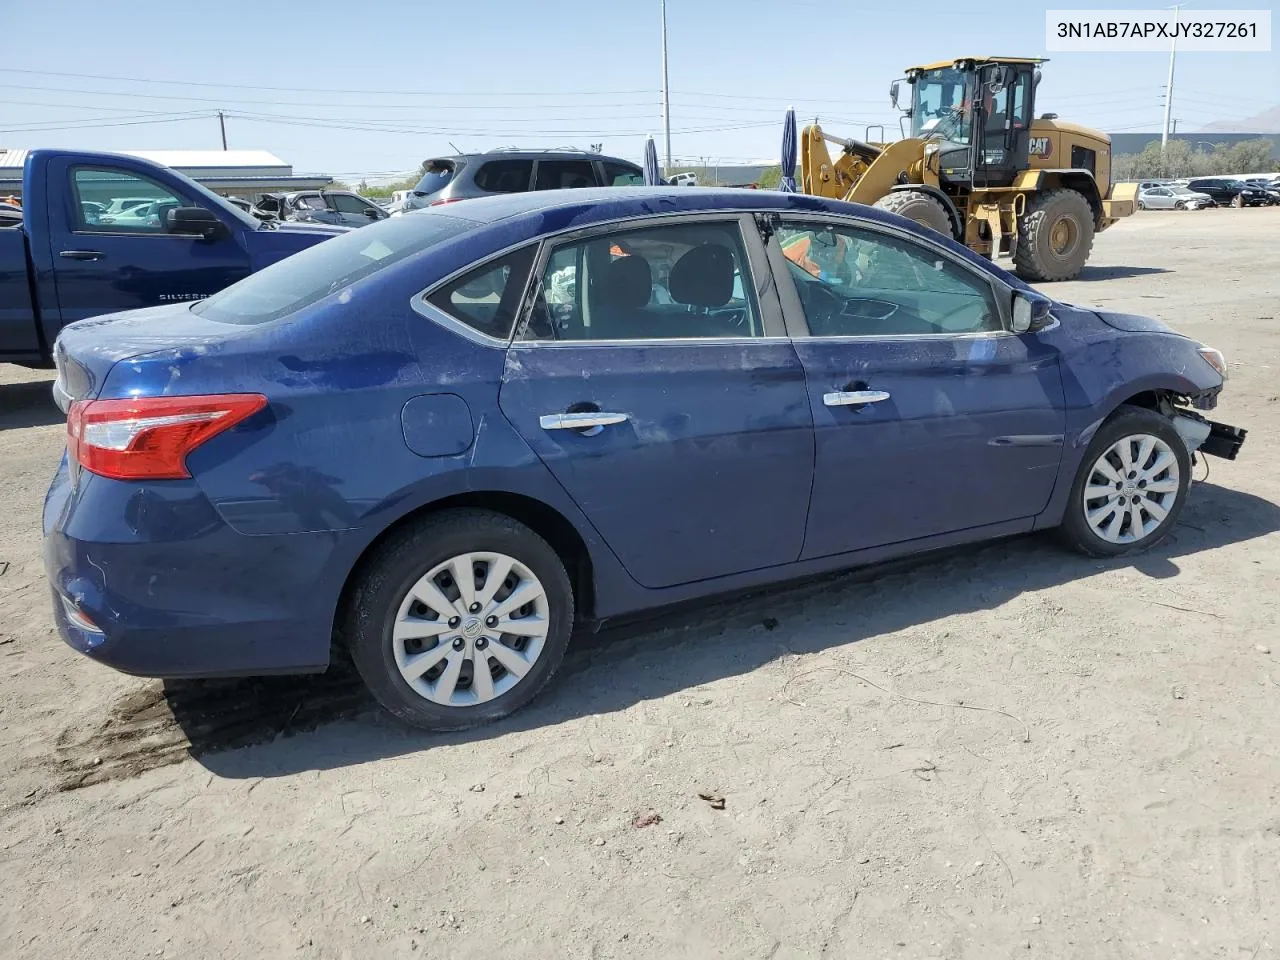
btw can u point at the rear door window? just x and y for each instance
(565, 174)
(505, 176)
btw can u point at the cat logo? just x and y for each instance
(1041, 147)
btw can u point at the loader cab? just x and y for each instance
(979, 113)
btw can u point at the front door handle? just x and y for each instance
(590, 422)
(853, 398)
(83, 254)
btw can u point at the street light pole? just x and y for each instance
(666, 91)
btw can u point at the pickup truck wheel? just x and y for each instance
(1055, 236)
(459, 619)
(1131, 485)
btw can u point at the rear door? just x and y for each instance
(929, 416)
(653, 378)
(104, 262)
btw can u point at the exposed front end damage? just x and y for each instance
(1200, 434)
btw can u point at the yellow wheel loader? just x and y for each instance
(980, 167)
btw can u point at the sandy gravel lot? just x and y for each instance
(1117, 795)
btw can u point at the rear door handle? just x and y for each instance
(853, 398)
(83, 254)
(589, 422)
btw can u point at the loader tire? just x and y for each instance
(918, 206)
(1055, 236)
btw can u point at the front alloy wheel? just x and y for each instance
(1131, 489)
(1131, 485)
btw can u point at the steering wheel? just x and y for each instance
(822, 305)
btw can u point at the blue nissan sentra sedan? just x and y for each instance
(446, 438)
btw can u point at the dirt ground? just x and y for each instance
(1006, 752)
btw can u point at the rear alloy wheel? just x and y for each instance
(1131, 485)
(460, 620)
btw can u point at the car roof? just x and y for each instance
(594, 204)
(532, 155)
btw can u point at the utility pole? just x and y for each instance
(1168, 90)
(222, 125)
(666, 91)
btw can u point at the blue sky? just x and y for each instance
(375, 87)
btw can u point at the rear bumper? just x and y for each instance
(174, 591)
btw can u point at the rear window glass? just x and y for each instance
(438, 175)
(505, 176)
(328, 267)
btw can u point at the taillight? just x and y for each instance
(149, 438)
(439, 203)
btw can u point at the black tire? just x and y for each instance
(1127, 421)
(918, 206)
(1237, 201)
(1036, 257)
(1180, 205)
(1141, 205)
(400, 562)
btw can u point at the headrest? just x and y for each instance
(626, 282)
(703, 277)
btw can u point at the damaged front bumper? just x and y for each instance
(1208, 436)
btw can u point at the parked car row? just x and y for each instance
(1200, 192)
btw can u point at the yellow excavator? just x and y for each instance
(981, 167)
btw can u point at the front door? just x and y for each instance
(112, 249)
(1003, 124)
(929, 416)
(656, 384)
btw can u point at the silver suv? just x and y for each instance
(446, 179)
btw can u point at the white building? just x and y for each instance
(245, 173)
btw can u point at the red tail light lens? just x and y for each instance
(148, 438)
(440, 203)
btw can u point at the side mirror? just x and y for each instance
(195, 221)
(1030, 311)
(373, 214)
(893, 93)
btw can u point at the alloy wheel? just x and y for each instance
(470, 629)
(1131, 489)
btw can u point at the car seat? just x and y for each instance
(619, 294)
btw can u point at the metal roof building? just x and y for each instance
(228, 172)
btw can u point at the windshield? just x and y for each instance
(328, 267)
(940, 105)
(436, 177)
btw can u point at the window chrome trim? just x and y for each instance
(653, 342)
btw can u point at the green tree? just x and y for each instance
(770, 179)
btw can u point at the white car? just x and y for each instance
(1173, 198)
